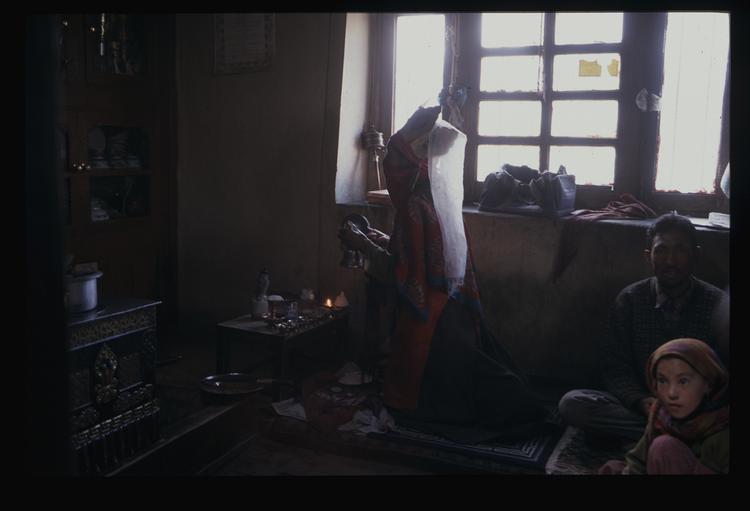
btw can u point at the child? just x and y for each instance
(688, 425)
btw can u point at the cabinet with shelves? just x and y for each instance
(117, 45)
(113, 103)
(109, 168)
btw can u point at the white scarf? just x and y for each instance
(446, 163)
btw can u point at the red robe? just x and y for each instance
(416, 242)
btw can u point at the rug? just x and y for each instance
(573, 456)
(530, 453)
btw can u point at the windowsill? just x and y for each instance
(361, 204)
(701, 224)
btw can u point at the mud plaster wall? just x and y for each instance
(257, 162)
(551, 326)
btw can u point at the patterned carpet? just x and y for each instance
(573, 456)
(530, 453)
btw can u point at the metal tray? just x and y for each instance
(230, 384)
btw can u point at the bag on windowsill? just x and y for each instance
(526, 191)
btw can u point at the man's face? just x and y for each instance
(672, 258)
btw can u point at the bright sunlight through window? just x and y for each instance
(695, 64)
(420, 52)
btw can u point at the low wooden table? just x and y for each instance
(329, 331)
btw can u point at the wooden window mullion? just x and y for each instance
(548, 56)
(469, 68)
(651, 50)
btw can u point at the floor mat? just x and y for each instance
(262, 456)
(573, 456)
(531, 452)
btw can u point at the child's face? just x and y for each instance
(679, 387)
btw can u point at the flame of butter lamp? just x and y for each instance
(328, 303)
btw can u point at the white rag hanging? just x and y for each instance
(446, 164)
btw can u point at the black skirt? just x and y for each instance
(471, 389)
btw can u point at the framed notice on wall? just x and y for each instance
(242, 42)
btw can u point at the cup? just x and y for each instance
(292, 312)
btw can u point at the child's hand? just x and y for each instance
(646, 405)
(611, 468)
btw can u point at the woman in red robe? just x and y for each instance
(446, 373)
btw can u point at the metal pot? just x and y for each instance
(82, 291)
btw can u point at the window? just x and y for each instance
(536, 103)
(420, 55)
(552, 89)
(695, 67)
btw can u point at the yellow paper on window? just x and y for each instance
(586, 68)
(614, 67)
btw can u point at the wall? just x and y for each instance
(252, 166)
(352, 160)
(551, 324)
(257, 176)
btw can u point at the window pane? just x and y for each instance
(590, 165)
(420, 51)
(516, 73)
(600, 71)
(588, 27)
(582, 118)
(695, 63)
(512, 29)
(490, 158)
(510, 118)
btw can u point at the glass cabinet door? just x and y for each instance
(115, 197)
(114, 176)
(118, 156)
(116, 46)
(111, 146)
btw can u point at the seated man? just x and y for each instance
(646, 314)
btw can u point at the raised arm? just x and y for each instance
(373, 245)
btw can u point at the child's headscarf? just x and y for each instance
(712, 414)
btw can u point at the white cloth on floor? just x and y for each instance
(351, 374)
(290, 408)
(365, 421)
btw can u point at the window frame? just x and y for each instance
(636, 144)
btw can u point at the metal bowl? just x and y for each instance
(359, 220)
(81, 292)
(230, 384)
